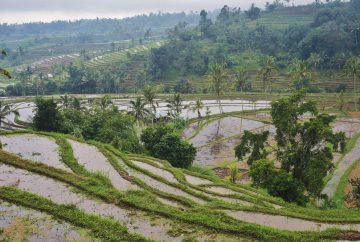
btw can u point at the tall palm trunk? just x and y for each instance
(355, 101)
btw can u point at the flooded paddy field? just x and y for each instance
(22, 224)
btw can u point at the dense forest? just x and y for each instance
(332, 37)
(301, 45)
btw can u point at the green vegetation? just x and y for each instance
(164, 143)
(303, 149)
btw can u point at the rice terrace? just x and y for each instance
(166, 121)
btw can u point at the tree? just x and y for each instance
(164, 143)
(299, 72)
(183, 86)
(3, 71)
(105, 102)
(253, 144)
(253, 12)
(217, 74)
(205, 24)
(175, 105)
(197, 107)
(150, 97)
(315, 59)
(267, 71)
(5, 110)
(65, 101)
(302, 148)
(241, 78)
(138, 110)
(352, 69)
(47, 117)
(262, 171)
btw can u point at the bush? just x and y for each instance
(288, 188)
(164, 143)
(262, 171)
(47, 116)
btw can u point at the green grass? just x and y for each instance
(203, 216)
(102, 228)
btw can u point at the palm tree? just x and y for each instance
(138, 110)
(267, 71)
(352, 69)
(105, 102)
(6, 110)
(315, 59)
(299, 72)
(175, 105)
(241, 78)
(150, 96)
(76, 104)
(3, 71)
(197, 107)
(65, 101)
(217, 74)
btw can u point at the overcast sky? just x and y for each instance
(19, 11)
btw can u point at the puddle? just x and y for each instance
(286, 223)
(170, 203)
(62, 194)
(157, 171)
(217, 152)
(159, 185)
(222, 190)
(93, 160)
(29, 225)
(343, 165)
(347, 125)
(223, 128)
(197, 180)
(33, 147)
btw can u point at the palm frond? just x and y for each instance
(5, 73)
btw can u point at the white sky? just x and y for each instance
(19, 11)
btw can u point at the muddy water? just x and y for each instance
(227, 106)
(223, 128)
(343, 165)
(157, 171)
(222, 190)
(197, 180)
(93, 160)
(190, 130)
(61, 193)
(37, 148)
(286, 223)
(23, 224)
(347, 125)
(217, 152)
(26, 114)
(159, 185)
(170, 203)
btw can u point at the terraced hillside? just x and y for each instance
(127, 197)
(114, 57)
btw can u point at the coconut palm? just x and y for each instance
(241, 78)
(3, 71)
(76, 104)
(197, 107)
(267, 71)
(150, 97)
(6, 110)
(352, 69)
(217, 74)
(315, 59)
(299, 72)
(138, 109)
(105, 102)
(65, 101)
(175, 105)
